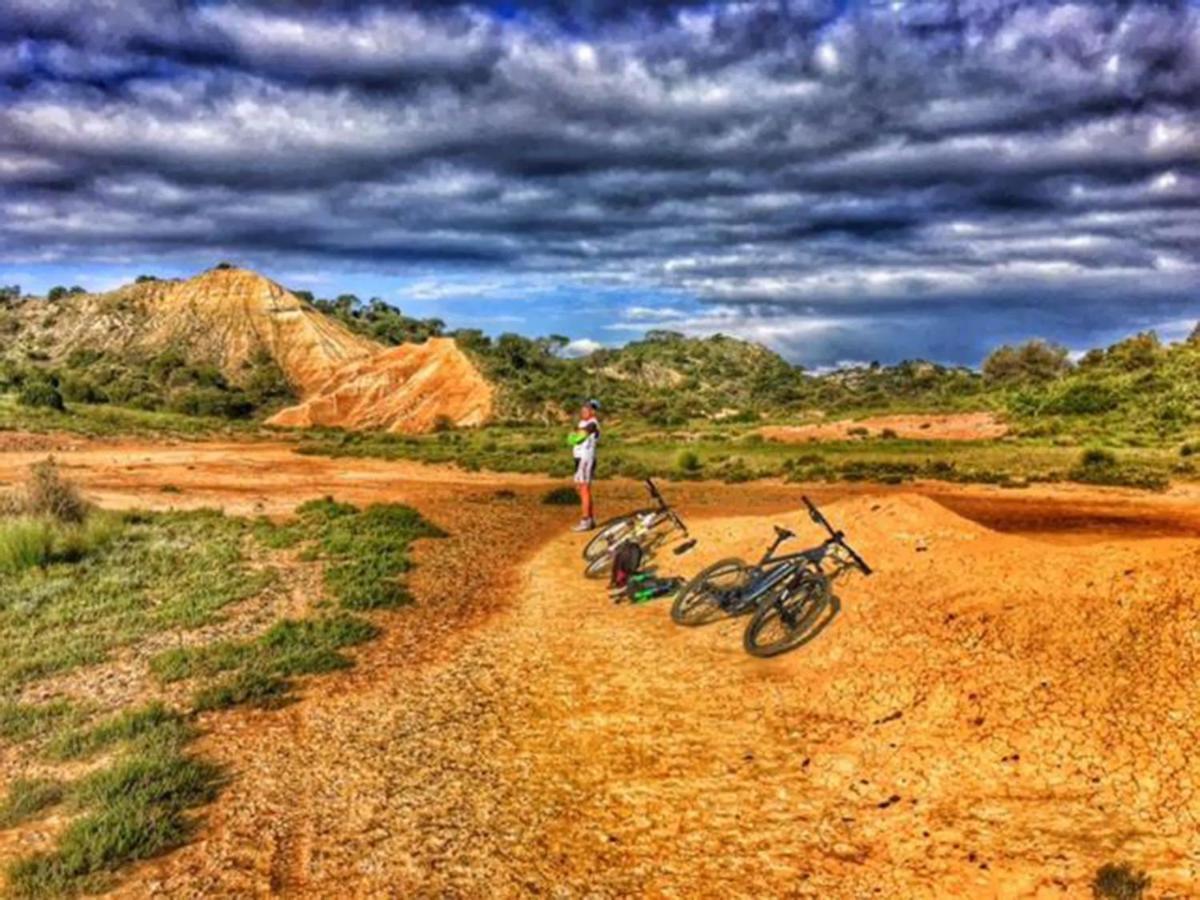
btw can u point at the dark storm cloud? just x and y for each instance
(885, 174)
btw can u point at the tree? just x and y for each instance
(1138, 352)
(1194, 338)
(224, 265)
(57, 292)
(10, 293)
(142, 279)
(76, 289)
(1033, 361)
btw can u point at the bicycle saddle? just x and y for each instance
(783, 533)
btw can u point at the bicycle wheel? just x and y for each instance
(610, 533)
(790, 616)
(600, 566)
(700, 600)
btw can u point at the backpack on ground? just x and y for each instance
(626, 563)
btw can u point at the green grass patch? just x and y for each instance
(290, 647)
(365, 551)
(701, 449)
(25, 721)
(135, 809)
(125, 726)
(106, 586)
(27, 797)
(132, 809)
(104, 420)
(251, 687)
(25, 543)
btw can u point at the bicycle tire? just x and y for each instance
(693, 605)
(796, 619)
(599, 567)
(609, 533)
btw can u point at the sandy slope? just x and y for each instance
(409, 389)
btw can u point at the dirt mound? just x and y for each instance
(956, 427)
(410, 388)
(224, 317)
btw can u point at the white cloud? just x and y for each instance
(581, 347)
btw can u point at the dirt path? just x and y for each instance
(938, 741)
(989, 715)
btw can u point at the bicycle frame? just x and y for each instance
(769, 572)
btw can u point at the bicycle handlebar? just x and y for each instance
(836, 537)
(664, 506)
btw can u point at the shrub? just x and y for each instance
(80, 388)
(442, 423)
(40, 393)
(1189, 449)
(687, 461)
(1119, 882)
(1094, 457)
(47, 493)
(561, 496)
(888, 434)
(1084, 398)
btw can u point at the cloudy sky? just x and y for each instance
(840, 180)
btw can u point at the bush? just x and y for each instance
(561, 496)
(47, 493)
(1094, 457)
(687, 461)
(1119, 882)
(40, 393)
(1084, 398)
(1189, 449)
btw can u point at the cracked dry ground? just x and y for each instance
(988, 716)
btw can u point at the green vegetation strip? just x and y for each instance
(70, 594)
(732, 454)
(76, 583)
(131, 809)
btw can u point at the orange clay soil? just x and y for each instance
(990, 715)
(408, 389)
(954, 427)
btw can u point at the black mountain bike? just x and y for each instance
(651, 528)
(797, 609)
(733, 587)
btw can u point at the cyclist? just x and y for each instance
(584, 441)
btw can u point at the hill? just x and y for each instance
(227, 318)
(234, 343)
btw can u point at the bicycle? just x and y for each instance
(732, 587)
(799, 609)
(651, 528)
(612, 531)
